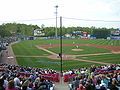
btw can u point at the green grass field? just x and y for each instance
(28, 48)
(86, 50)
(109, 58)
(51, 64)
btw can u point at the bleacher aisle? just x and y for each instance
(61, 85)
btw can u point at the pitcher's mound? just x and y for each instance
(64, 57)
(77, 49)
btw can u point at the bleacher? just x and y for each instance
(95, 78)
(40, 79)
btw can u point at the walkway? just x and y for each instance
(8, 56)
(61, 85)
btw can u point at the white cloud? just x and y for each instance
(13, 10)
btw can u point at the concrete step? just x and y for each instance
(61, 85)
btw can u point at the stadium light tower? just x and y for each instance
(56, 20)
(61, 66)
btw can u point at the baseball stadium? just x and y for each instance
(62, 53)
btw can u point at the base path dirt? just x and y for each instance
(114, 49)
(69, 57)
(97, 62)
(46, 50)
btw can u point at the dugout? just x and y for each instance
(31, 38)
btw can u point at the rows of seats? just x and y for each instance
(52, 77)
(67, 77)
(105, 77)
(26, 78)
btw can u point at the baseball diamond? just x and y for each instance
(87, 52)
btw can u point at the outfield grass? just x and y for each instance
(108, 58)
(28, 48)
(51, 64)
(85, 50)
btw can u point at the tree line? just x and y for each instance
(11, 29)
(93, 31)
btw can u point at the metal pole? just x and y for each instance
(56, 20)
(61, 44)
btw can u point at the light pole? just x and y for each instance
(61, 66)
(56, 20)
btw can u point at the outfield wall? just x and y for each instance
(115, 37)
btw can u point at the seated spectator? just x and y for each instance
(1, 84)
(50, 84)
(75, 83)
(98, 84)
(17, 81)
(43, 85)
(81, 86)
(25, 85)
(11, 86)
(36, 83)
(5, 81)
(103, 86)
(89, 85)
(113, 86)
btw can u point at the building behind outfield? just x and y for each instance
(38, 32)
(115, 35)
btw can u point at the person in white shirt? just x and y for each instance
(5, 82)
(17, 81)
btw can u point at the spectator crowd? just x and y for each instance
(14, 77)
(24, 78)
(94, 78)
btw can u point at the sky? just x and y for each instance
(82, 13)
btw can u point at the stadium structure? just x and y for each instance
(115, 35)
